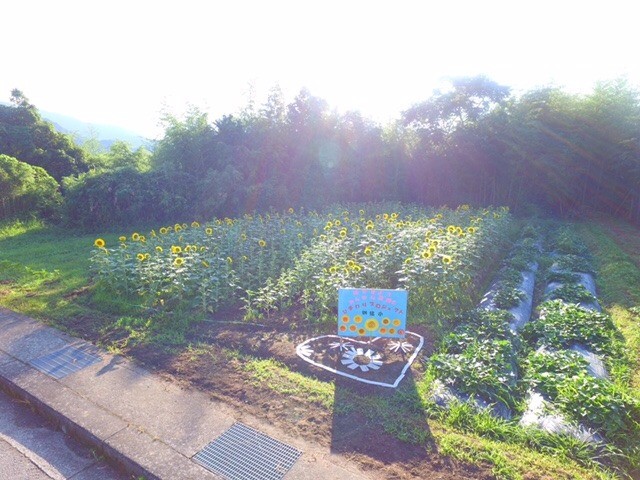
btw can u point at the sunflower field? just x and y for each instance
(275, 261)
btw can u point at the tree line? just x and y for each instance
(545, 150)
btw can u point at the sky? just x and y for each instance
(126, 62)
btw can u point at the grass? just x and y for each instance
(44, 273)
(618, 282)
(403, 415)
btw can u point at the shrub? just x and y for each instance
(26, 190)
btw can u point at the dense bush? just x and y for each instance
(473, 144)
(125, 196)
(26, 190)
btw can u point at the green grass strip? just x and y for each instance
(618, 282)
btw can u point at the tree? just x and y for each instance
(187, 144)
(24, 135)
(469, 100)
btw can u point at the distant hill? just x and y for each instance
(82, 131)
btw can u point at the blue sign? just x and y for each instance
(366, 312)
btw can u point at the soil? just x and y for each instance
(208, 367)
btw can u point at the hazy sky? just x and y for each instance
(122, 62)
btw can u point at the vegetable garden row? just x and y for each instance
(564, 372)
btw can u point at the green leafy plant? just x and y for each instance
(574, 263)
(545, 370)
(560, 325)
(561, 277)
(600, 404)
(508, 297)
(485, 368)
(572, 293)
(476, 324)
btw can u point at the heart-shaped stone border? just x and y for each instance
(303, 350)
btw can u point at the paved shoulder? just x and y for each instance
(15, 465)
(31, 449)
(147, 425)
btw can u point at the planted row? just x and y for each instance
(479, 359)
(435, 257)
(564, 371)
(573, 347)
(272, 262)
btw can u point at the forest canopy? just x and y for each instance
(475, 143)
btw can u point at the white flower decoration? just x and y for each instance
(341, 345)
(358, 358)
(305, 350)
(404, 346)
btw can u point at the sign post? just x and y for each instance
(372, 313)
(380, 315)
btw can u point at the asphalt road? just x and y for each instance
(31, 449)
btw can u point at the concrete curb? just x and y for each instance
(116, 447)
(147, 426)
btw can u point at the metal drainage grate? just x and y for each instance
(242, 453)
(67, 360)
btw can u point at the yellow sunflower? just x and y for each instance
(100, 243)
(178, 261)
(371, 324)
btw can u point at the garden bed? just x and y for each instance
(245, 353)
